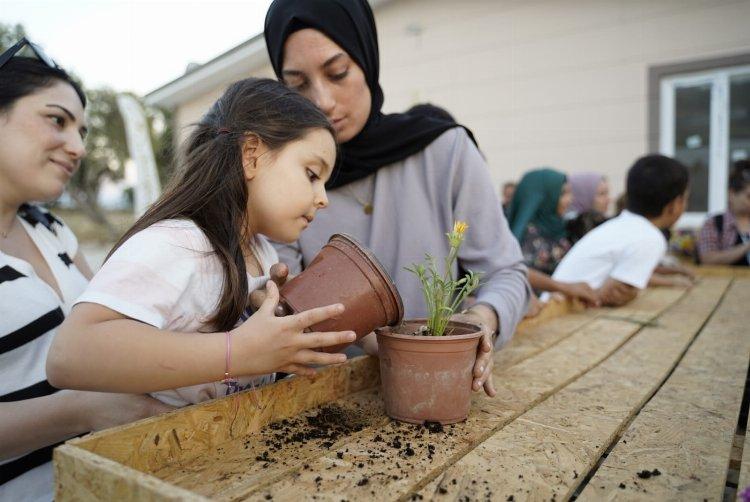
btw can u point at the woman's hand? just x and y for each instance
(266, 343)
(485, 352)
(535, 306)
(34, 423)
(582, 291)
(102, 410)
(369, 344)
(279, 274)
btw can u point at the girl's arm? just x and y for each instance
(31, 424)
(726, 256)
(97, 348)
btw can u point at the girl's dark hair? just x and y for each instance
(740, 176)
(22, 76)
(209, 186)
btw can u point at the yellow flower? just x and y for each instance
(460, 227)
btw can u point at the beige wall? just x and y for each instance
(191, 112)
(551, 82)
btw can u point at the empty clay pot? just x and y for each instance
(427, 378)
(345, 272)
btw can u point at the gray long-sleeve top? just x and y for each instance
(415, 203)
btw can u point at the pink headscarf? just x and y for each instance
(583, 186)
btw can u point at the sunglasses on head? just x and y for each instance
(38, 52)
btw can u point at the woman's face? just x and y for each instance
(286, 187)
(323, 72)
(739, 202)
(566, 197)
(601, 198)
(42, 144)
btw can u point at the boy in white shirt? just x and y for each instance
(618, 257)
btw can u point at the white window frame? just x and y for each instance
(719, 132)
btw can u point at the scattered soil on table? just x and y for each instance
(329, 423)
(646, 474)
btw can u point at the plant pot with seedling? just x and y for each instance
(426, 364)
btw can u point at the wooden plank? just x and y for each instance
(235, 467)
(535, 338)
(644, 307)
(149, 445)
(546, 452)
(83, 476)
(721, 271)
(687, 430)
(371, 467)
(539, 333)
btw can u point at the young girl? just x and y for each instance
(166, 309)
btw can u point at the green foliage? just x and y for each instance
(443, 294)
(9, 35)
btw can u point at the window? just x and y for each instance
(704, 121)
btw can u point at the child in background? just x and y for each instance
(618, 257)
(166, 310)
(724, 238)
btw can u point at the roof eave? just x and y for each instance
(236, 63)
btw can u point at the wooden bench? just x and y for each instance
(639, 402)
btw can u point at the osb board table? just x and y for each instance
(639, 402)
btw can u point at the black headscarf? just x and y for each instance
(385, 139)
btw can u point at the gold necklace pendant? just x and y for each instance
(367, 208)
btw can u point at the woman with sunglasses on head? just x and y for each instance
(403, 179)
(42, 272)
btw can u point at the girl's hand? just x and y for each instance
(266, 343)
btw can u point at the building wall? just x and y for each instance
(191, 112)
(559, 83)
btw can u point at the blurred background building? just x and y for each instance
(581, 85)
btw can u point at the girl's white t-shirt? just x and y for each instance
(168, 276)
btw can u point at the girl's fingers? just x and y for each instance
(307, 356)
(272, 299)
(318, 340)
(305, 319)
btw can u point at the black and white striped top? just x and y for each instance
(30, 312)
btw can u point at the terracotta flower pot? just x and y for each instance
(427, 378)
(345, 272)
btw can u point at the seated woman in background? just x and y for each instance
(724, 238)
(589, 206)
(536, 219)
(590, 193)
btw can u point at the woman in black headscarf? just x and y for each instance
(402, 179)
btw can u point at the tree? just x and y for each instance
(106, 143)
